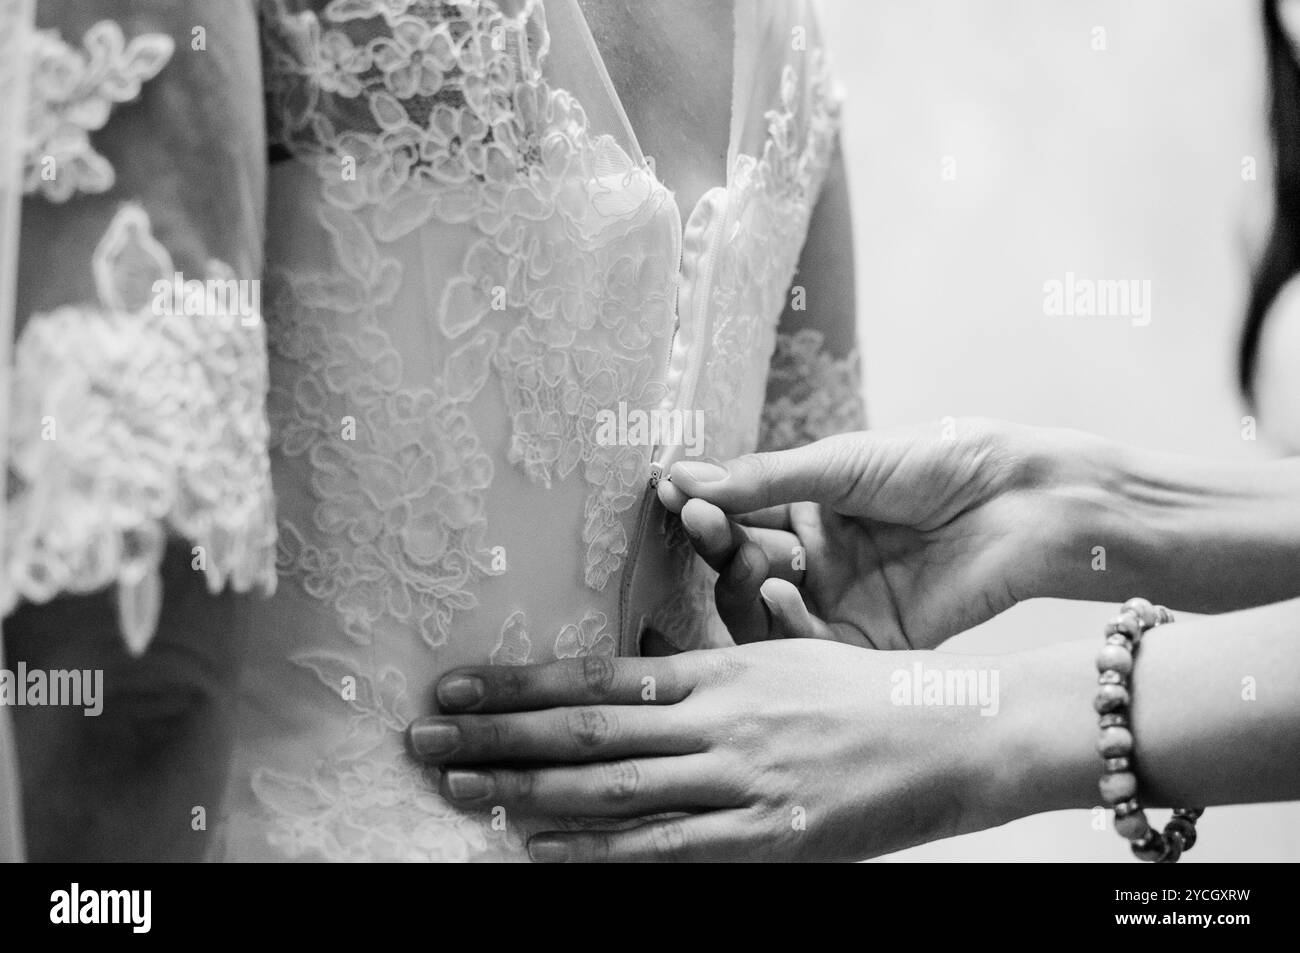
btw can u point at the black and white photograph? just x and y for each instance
(607, 431)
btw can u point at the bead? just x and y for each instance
(1150, 849)
(1115, 658)
(1145, 611)
(1183, 830)
(1132, 826)
(1110, 697)
(1173, 850)
(1125, 808)
(1115, 743)
(1119, 787)
(1126, 624)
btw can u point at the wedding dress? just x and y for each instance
(469, 265)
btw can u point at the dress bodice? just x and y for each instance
(474, 278)
(487, 329)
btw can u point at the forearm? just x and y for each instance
(814, 382)
(1217, 537)
(1197, 535)
(1215, 715)
(123, 784)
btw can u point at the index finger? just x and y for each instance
(593, 680)
(827, 471)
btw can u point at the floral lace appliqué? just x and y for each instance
(771, 198)
(367, 799)
(819, 394)
(398, 473)
(72, 93)
(130, 423)
(412, 115)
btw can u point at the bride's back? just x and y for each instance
(489, 324)
(476, 286)
(671, 65)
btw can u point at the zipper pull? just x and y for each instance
(668, 454)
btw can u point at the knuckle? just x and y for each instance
(740, 777)
(767, 790)
(676, 669)
(721, 666)
(591, 727)
(741, 729)
(518, 784)
(598, 673)
(777, 845)
(598, 846)
(761, 468)
(493, 736)
(621, 781)
(668, 839)
(507, 681)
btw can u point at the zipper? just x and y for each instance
(662, 458)
(701, 325)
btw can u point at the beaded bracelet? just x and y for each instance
(1115, 744)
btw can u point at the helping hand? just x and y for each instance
(890, 539)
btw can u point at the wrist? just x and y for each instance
(1109, 520)
(1042, 745)
(1208, 536)
(1083, 534)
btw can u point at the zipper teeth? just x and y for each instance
(626, 647)
(684, 396)
(677, 311)
(638, 534)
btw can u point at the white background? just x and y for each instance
(1125, 163)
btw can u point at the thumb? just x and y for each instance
(826, 471)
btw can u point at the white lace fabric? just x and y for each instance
(463, 273)
(16, 27)
(468, 264)
(130, 425)
(73, 90)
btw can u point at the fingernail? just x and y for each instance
(468, 785)
(460, 691)
(430, 738)
(548, 850)
(744, 566)
(701, 472)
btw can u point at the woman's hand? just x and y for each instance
(906, 537)
(893, 539)
(776, 751)
(810, 750)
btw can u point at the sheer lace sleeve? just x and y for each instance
(138, 377)
(814, 385)
(15, 27)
